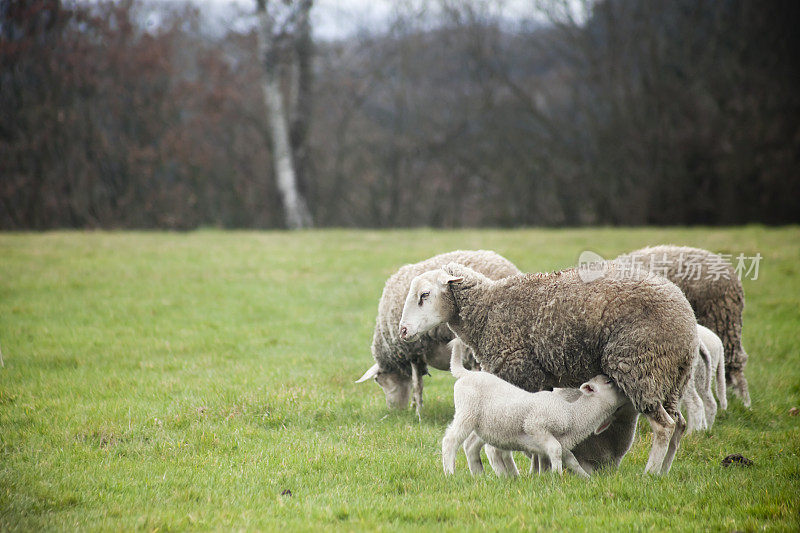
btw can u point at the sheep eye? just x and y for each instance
(423, 296)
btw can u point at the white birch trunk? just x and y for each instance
(295, 208)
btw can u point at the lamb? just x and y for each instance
(510, 418)
(709, 364)
(399, 366)
(599, 450)
(715, 292)
(538, 331)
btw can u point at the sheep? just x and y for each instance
(715, 292)
(539, 331)
(709, 366)
(694, 271)
(510, 418)
(399, 366)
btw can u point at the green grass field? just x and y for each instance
(167, 381)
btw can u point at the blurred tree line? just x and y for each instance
(615, 112)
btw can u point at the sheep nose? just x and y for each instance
(403, 332)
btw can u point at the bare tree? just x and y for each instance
(282, 25)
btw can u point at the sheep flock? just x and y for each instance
(560, 365)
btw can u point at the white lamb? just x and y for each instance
(510, 418)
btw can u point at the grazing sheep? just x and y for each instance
(539, 331)
(705, 373)
(510, 418)
(715, 292)
(399, 366)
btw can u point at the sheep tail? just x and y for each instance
(704, 354)
(456, 353)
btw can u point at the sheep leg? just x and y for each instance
(502, 461)
(534, 469)
(710, 405)
(456, 433)
(544, 444)
(694, 408)
(416, 388)
(504, 457)
(572, 463)
(542, 463)
(554, 453)
(722, 391)
(496, 460)
(702, 382)
(680, 428)
(663, 427)
(472, 448)
(739, 384)
(707, 395)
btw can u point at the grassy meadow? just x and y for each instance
(182, 381)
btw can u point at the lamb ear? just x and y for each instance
(587, 388)
(604, 426)
(371, 373)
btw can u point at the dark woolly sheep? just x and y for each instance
(715, 292)
(539, 331)
(399, 366)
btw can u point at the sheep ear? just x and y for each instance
(371, 373)
(587, 388)
(445, 278)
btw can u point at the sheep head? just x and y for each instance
(604, 387)
(428, 304)
(396, 387)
